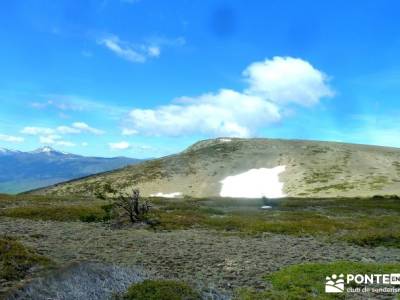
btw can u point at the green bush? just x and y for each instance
(308, 279)
(16, 260)
(90, 218)
(161, 290)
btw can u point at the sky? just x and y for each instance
(147, 78)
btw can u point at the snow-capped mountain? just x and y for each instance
(21, 171)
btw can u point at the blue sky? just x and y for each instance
(146, 78)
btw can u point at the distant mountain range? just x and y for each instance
(22, 171)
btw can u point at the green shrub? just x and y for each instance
(161, 290)
(309, 279)
(16, 260)
(90, 218)
(108, 212)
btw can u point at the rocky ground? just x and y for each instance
(215, 260)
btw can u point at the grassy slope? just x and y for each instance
(314, 169)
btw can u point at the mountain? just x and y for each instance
(255, 168)
(22, 171)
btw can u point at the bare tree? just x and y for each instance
(136, 211)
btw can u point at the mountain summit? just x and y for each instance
(48, 150)
(234, 167)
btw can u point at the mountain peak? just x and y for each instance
(47, 150)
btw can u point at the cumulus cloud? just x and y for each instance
(285, 80)
(227, 113)
(11, 138)
(273, 85)
(119, 145)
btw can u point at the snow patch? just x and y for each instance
(225, 140)
(170, 195)
(255, 183)
(266, 207)
(46, 149)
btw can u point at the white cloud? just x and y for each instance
(50, 136)
(11, 138)
(122, 49)
(226, 113)
(84, 144)
(75, 128)
(286, 80)
(119, 146)
(154, 51)
(63, 104)
(127, 131)
(54, 139)
(273, 86)
(49, 139)
(37, 130)
(67, 130)
(141, 52)
(86, 128)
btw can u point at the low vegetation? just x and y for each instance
(161, 290)
(307, 281)
(56, 212)
(365, 222)
(17, 261)
(362, 221)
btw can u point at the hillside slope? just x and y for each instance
(312, 168)
(21, 171)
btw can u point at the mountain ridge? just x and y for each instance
(313, 169)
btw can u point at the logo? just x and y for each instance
(334, 284)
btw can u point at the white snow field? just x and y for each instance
(255, 183)
(171, 195)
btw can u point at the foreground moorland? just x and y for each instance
(222, 248)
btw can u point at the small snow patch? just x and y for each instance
(225, 140)
(255, 183)
(266, 207)
(170, 195)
